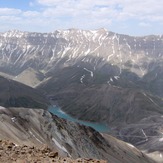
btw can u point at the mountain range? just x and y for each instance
(93, 75)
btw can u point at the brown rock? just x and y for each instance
(10, 153)
(22, 152)
(53, 154)
(21, 161)
(9, 147)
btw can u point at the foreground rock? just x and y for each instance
(11, 153)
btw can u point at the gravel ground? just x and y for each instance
(11, 153)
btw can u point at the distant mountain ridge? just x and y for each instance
(112, 54)
(121, 50)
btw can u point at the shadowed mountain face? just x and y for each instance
(101, 98)
(14, 94)
(94, 75)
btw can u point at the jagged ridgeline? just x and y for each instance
(103, 55)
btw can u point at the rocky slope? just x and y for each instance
(30, 77)
(39, 127)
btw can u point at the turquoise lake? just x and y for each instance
(97, 126)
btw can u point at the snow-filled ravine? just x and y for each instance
(97, 126)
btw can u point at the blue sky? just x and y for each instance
(133, 17)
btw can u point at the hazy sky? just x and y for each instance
(133, 17)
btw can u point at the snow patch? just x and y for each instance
(2, 108)
(89, 71)
(60, 146)
(81, 79)
(130, 145)
(65, 51)
(111, 79)
(116, 77)
(34, 136)
(108, 82)
(87, 52)
(94, 36)
(146, 138)
(13, 119)
(93, 31)
(110, 57)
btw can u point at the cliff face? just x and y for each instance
(39, 127)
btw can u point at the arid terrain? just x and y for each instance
(93, 75)
(12, 153)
